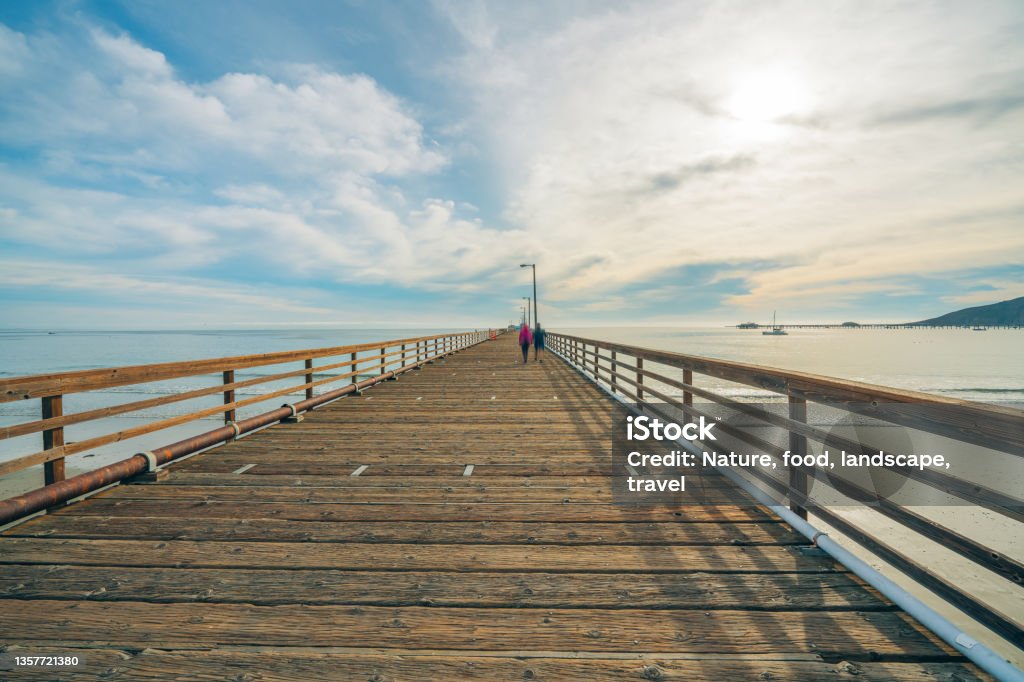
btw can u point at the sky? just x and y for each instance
(258, 163)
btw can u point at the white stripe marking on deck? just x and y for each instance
(468, 471)
(631, 470)
(360, 470)
(242, 470)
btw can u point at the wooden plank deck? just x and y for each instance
(352, 546)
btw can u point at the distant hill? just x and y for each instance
(1004, 313)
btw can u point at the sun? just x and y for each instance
(768, 96)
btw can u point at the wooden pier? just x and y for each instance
(455, 524)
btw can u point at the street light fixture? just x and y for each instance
(534, 266)
(527, 299)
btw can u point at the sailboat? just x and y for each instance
(776, 330)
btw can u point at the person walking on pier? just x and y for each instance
(525, 339)
(538, 343)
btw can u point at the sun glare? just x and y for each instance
(768, 96)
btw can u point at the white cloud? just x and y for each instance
(13, 51)
(614, 130)
(160, 291)
(472, 21)
(300, 174)
(119, 97)
(129, 54)
(257, 193)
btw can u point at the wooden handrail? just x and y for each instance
(63, 383)
(992, 426)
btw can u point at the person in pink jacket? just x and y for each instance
(525, 339)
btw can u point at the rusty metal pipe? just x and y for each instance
(76, 486)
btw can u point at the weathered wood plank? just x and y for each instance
(181, 478)
(316, 466)
(418, 666)
(569, 512)
(426, 532)
(594, 494)
(355, 556)
(837, 635)
(700, 591)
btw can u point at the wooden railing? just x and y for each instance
(51, 389)
(644, 376)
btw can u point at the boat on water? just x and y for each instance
(979, 329)
(776, 330)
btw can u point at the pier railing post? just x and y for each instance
(353, 367)
(797, 446)
(309, 378)
(614, 374)
(403, 356)
(229, 396)
(383, 365)
(639, 380)
(53, 471)
(687, 396)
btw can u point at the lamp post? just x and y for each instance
(534, 266)
(527, 299)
